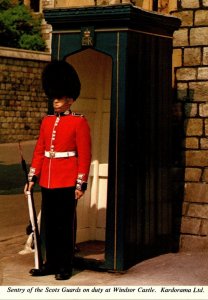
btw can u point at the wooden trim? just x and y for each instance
(114, 30)
(116, 154)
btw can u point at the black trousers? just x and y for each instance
(58, 214)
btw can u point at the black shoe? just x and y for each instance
(43, 271)
(63, 275)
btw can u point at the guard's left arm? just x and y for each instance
(83, 141)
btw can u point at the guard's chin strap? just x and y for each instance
(64, 113)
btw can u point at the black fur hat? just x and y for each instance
(60, 79)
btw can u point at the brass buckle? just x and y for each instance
(51, 154)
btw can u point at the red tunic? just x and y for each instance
(62, 134)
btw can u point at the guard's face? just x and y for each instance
(62, 104)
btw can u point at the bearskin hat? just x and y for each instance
(60, 79)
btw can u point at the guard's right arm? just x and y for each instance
(38, 157)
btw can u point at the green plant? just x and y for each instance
(33, 42)
(19, 28)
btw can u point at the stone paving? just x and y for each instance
(168, 269)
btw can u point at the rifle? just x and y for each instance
(33, 217)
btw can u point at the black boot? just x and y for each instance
(63, 274)
(43, 271)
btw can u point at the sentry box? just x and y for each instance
(123, 55)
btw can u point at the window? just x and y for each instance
(35, 5)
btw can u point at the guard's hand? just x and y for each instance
(78, 194)
(28, 187)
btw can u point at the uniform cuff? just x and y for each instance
(81, 185)
(31, 176)
(34, 178)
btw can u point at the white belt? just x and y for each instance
(54, 154)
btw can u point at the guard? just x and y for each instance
(60, 163)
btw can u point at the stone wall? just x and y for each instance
(191, 78)
(23, 102)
